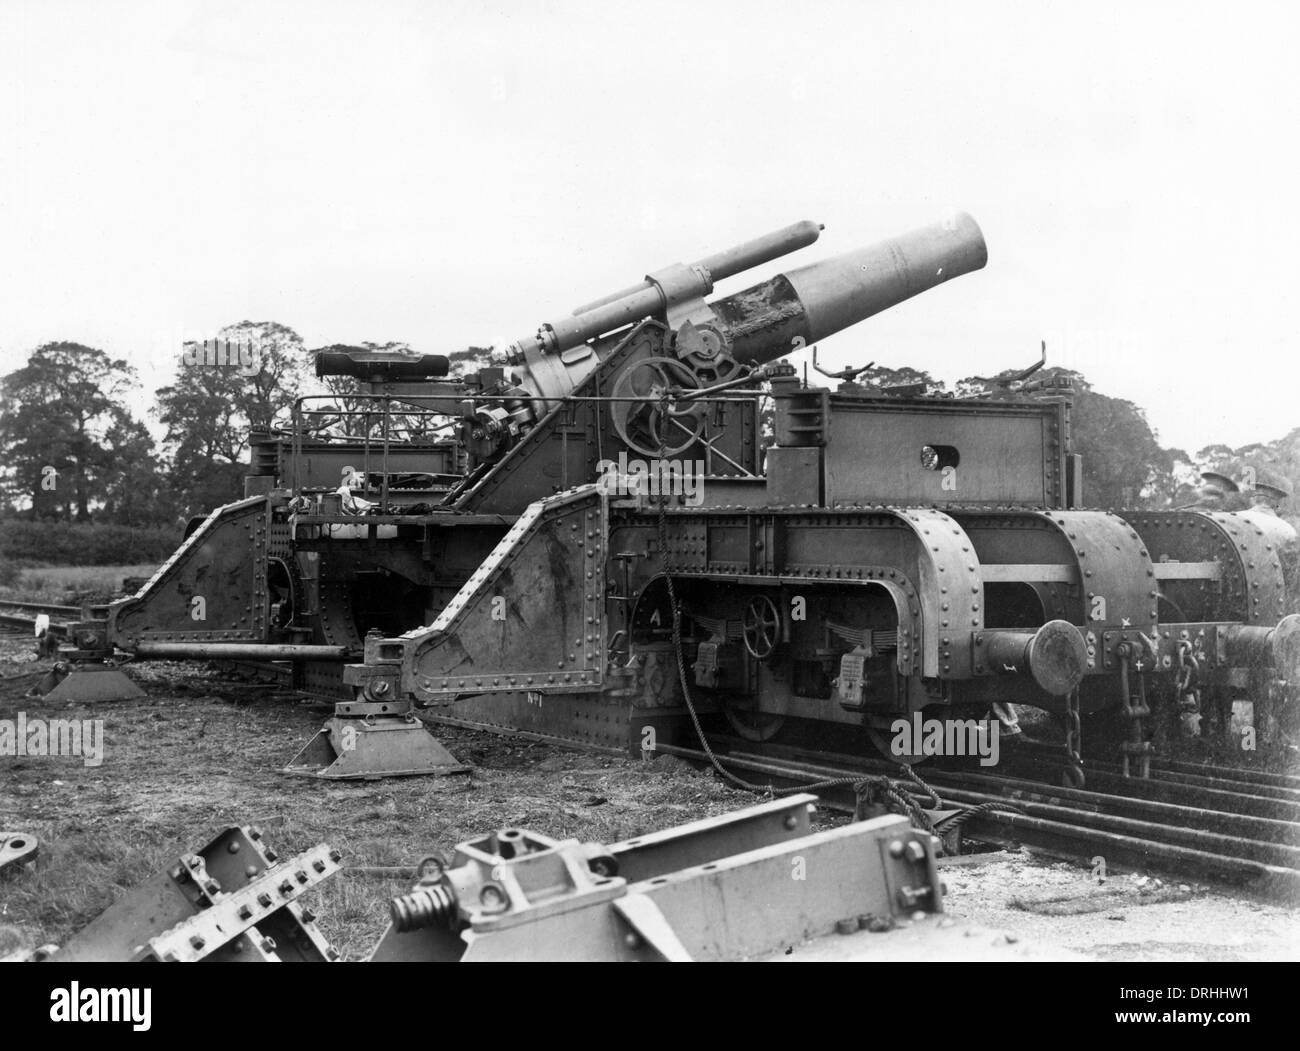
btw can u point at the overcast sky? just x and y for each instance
(452, 173)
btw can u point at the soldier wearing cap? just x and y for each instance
(1268, 493)
(1213, 493)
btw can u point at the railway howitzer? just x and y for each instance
(303, 568)
(885, 552)
(888, 552)
(652, 371)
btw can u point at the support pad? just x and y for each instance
(371, 748)
(89, 682)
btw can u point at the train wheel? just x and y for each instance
(884, 742)
(750, 722)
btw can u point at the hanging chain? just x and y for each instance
(1073, 775)
(1189, 680)
(1135, 753)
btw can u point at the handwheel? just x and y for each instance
(762, 626)
(644, 424)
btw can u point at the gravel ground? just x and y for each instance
(1131, 922)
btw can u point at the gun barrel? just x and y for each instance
(764, 322)
(767, 321)
(732, 261)
(658, 293)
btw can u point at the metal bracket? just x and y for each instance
(720, 888)
(848, 374)
(233, 899)
(239, 912)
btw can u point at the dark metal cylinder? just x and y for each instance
(256, 651)
(732, 261)
(1277, 647)
(1055, 655)
(1286, 648)
(380, 366)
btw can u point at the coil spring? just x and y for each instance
(429, 906)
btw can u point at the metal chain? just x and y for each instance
(1073, 775)
(897, 792)
(1188, 690)
(1133, 709)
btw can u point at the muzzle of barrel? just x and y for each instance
(767, 321)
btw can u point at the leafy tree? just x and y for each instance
(281, 373)
(1123, 463)
(904, 376)
(218, 398)
(1185, 478)
(469, 359)
(64, 412)
(135, 488)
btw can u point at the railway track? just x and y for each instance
(20, 617)
(1226, 836)
(16, 616)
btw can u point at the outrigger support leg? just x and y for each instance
(83, 676)
(369, 740)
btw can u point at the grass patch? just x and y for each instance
(69, 585)
(199, 754)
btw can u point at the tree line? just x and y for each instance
(74, 451)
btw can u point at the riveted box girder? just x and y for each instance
(1090, 568)
(1249, 587)
(530, 619)
(921, 555)
(212, 589)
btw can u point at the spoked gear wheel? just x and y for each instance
(704, 350)
(644, 423)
